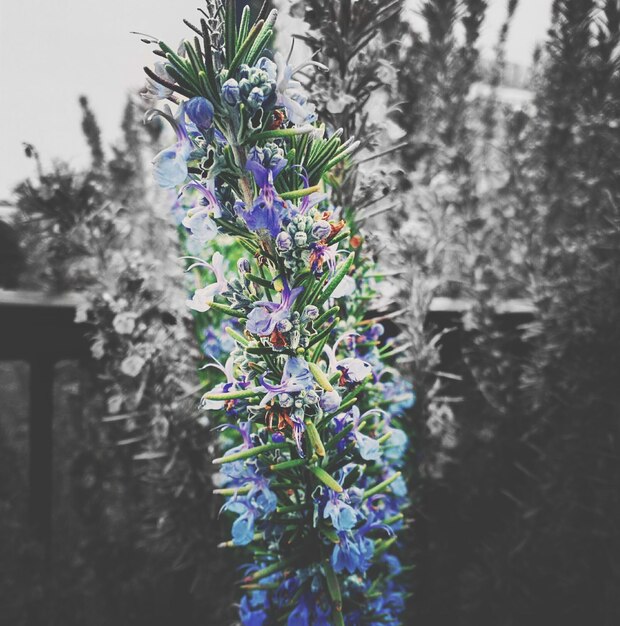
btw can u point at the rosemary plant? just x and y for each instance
(309, 404)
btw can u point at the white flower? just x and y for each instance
(203, 298)
(115, 403)
(97, 349)
(154, 90)
(124, 323)
(290, 92)
(132, 365)
(81, 312)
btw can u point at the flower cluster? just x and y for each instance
(308, 404)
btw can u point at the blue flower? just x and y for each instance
(300, 615)
(243, 526)
(396, 445)
(369, 448)
(401, 395)
(399, 487)
(252, 612)
(342, 515)
(217, 341)
(352, 553)
(170, 165)
(393, 564)
(243, 529)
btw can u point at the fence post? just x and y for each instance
(41, 449)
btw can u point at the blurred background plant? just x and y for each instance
(514, 205)
(135, 457)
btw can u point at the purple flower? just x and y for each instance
(352, 370)
(200, 219)
(265, 315)
(322, 254)
(268, 208)
(295, 377)
(369, 448)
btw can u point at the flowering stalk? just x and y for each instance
(309, 405)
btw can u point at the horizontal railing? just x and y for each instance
(40, 328)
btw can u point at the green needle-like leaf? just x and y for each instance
(228, 310)
(325, 478)
(382, 486)
(341, 272)
(249, 453)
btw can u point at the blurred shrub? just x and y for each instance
(139, 467)
(518, 203)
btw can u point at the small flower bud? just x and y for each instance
(258, 77)
(376, 331)
(330, 401)
(200, 112)
(278, 437)
(284, 242)
(255, 98)
(230, 92)
(321, 229)
(300, 239)
(285, 400)
(245, 86)
(312, 397)
(243, 266)
(310, 313)
(294, 339)
(284, 326)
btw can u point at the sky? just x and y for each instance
(51, 52)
